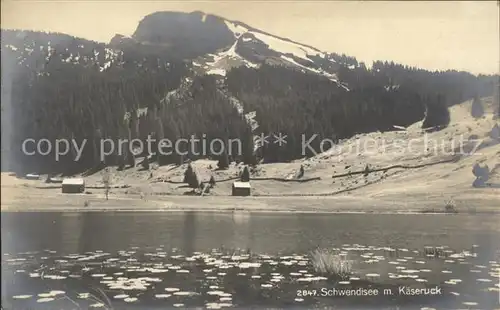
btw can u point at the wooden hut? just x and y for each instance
(73, 186)
(241, 189)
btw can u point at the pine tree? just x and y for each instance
(223, 161)
(187, 174)
(191, 178)
(145, 163)
(366, 172)
(212, 181)
(477, 109)
(245, 175)
(301, 172)
(496, 99)
(437, 115)
(193, 181)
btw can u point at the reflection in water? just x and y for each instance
(189, 233)
(263, 233)
(78, 251)
(243, 236)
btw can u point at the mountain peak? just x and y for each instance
(216, 44)
(187, 34)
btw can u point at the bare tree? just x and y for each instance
(106, 180)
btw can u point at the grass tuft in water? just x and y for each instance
(327, 262)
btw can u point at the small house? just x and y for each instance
(73, 186)
(241, 189)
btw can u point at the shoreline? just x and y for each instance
(400, 212)
(341, 204)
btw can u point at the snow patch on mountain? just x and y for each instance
(235, 28)
(12, 47)
(217, 71)
(26, 55)
(286, 47)
(231, 52)
(330, 76)
(250, 41)
(225, 60)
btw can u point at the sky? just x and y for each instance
(433, 35)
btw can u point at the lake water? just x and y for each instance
(159, 260)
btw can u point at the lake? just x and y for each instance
(158, 260)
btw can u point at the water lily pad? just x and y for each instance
(162, 296)
(97, 305)
(181, 293)
(22, 296)
(483, 280)
(130, 299)
(182, 271)
(172, 289)
(54, 277)
(55, 293)
(410, 271)
(121, 296)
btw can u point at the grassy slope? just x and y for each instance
(402, 188)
